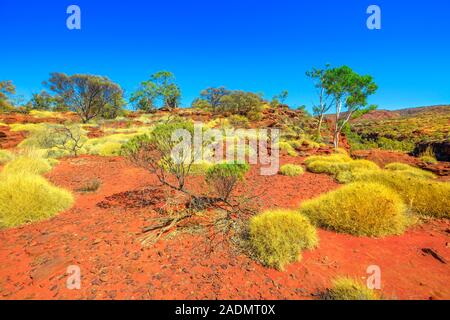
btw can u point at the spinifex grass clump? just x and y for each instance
(360, 209)
(422, 196)
(277, 237)
(409, 170)
(27, 164)
(291, 170)
(26, 198)
(5, 156)
(350, 289)
(340, 166)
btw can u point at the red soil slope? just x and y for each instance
(103, 243)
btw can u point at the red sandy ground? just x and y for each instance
(103, 243)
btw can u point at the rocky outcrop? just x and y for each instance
(441, 149)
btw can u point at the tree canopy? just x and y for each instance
(89, 96)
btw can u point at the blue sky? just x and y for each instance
(256, 45)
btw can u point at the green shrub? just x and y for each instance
(27, 198)
(361, 209)
(350, 289)
(200, 168)
(422, 196)
(239, 121)
(224, 177)
(277, 237)
(26, 164)
(291, 170)
(411, 171)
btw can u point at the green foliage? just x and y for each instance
(27, 198)
(349, 92)
(238, 121)
(361, 209)
(211, 98)
(241, 103)
(224, 177)
(350, 289)
(88, 95)
(291, 170)
(43, 101)
(401, 132)
(277, 237)
(7, 89)
(422, 196)
(160, 88)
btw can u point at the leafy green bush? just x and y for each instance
(224, 177)
(239, 121)
(422, 196)
(361, 209)
(26, 198)
(277, 237)
(291, 170)
(350, 289)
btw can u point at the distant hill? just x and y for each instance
(387, 114)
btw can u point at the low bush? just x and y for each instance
(224, 177)
(428, 159)
(27, 164)
(200, 168)
(422, 196)
(27, 198)
(239, 121)
(291, 170)
(409, 170)
(350, 289)
(287, 148)
(360, 209)
(277, 237)
(90, 186)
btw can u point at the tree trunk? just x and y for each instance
(319, 128)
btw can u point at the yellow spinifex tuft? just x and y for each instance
(361, 209)
(278, 236)
(27, 198)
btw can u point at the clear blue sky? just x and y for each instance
(256, 45)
